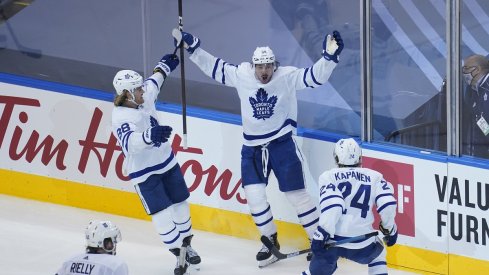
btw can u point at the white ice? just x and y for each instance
(36, 237)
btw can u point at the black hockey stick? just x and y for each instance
(280, 256)
(182, 77)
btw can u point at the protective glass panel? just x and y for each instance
(295, 30)
(475, 83)
(408, 72)
(84, 43)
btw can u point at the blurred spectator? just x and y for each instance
(475, 73)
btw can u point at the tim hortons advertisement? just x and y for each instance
(69, 137)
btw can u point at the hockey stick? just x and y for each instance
(280, 256)
(182, 76)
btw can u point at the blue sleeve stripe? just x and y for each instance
(331, 197)
(331, 206)
(383, 195)
(313, 78)
(307, 212)
(385, 205)
(125, 139)
(153, 81)
(262, 212)
(215, 69)
(304, 77)
(223, 75)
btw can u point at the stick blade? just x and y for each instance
(266, 241)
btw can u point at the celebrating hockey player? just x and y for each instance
(102, 238)
(347, 195)
(269, 115)
(149, 159)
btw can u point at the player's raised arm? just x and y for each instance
(319, 73)
(214, 67)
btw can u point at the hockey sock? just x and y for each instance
(306, 209)
(260, 208)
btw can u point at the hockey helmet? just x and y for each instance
(347, 152)
(127, 80)
(98, 233)
(263, 55)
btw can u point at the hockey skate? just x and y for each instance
(265, 256)
(182, 264)
(191, 255)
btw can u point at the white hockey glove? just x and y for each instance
(332, 46)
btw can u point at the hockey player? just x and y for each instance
(347, 195)
(149, 159)
(269, 116)
(102, 238)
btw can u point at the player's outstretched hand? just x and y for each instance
(319, 241)
(390, 236)
(332, 46)
(167, 64)
(190, 42)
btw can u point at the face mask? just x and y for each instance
(468, 78)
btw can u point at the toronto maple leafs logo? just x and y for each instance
(154, 123)
(262, 105)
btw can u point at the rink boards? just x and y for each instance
(56, 146)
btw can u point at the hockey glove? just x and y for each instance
(319, 240)
(190, 42)
(332, 46)
(167, 64)
(390, 237)
(157, 134)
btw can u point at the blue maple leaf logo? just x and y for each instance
(153, 122)
(263, 106)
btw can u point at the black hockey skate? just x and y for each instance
(265, 256)
(182, 264)
(192, 257)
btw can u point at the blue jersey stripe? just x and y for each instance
(286, 123)
(152, 168)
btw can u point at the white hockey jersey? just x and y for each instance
(347, 196)
(269, 110)
(94, 264)
(142, 157)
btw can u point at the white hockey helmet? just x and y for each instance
(263, 55)
(347, 152)
(127, 80)
(98, 231)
